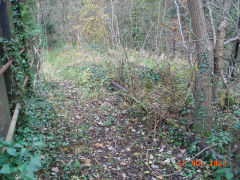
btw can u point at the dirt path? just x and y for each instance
(99, 134)
(106, 139)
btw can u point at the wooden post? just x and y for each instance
(15, 117)
(13, 123)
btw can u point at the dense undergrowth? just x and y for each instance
(54, 137)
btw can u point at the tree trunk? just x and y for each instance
(4, 22)
(202, 88)
(232, 62)
(39, 41)
(219, 49)
(5, 33)
(161, 38)
(212, 22)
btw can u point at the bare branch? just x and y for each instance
(180, 25)
(212, 24)
(232, 39)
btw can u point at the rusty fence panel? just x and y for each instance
(5, 115)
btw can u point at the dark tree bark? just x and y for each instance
(6, 34)
(202, 88)
(4, 22)
(232, 62)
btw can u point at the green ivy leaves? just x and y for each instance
(5, 169)
(11, 151)
(224, 172)
(15, 161)
(32, 166)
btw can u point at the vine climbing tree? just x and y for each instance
(202, 90)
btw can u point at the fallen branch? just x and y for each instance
(118, 87)
(201, 152)
(5, 67)
(231, 40)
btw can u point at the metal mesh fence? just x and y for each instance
(5, 117)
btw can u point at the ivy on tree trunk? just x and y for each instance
(202, 89)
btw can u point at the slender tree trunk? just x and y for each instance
(39, 40)
(118, 32)
(219, 48)
(235, 50)
(158, 24)
(161, 49)
(202, 89)
(112, 23)
(212, 23)
(146, 37)
(180, 26)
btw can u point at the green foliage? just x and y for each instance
(223, 173)
(23, 156)
(219, 141)
(226, 101)
(17, 161)
(220, 138)
(109, 121)
(21, 159)
(148, 75)
(23, 31)
(92, 21)
(172, 123)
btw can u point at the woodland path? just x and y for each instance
(109, 140)
(99, 134)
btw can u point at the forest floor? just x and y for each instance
(96, 134)
(109, 141)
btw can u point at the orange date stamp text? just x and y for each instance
(202, 163)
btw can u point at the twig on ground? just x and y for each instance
(97, 162)
(201, 152)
